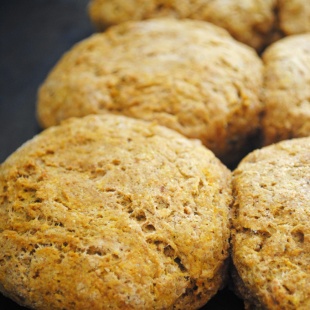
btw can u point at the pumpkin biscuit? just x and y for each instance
(109, 212)
(294, 16)
(249, 21)
(271, 230)
(287, 89)
(190, 76)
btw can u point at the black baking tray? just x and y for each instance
(33, 36)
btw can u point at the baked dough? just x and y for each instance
(287, 89)
(271, 230)
(249, 21)
(108, 212)
(187, 75)
(294, 16)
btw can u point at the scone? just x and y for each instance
(294, 16)
(249, 21)
(187, 75)
(287, 89)
(271, 226)
(109, 212)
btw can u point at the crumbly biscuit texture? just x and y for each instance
(287, 89)
(294, 16)
(271, 230)
(249, 21)
(108, 212)
(188, 75)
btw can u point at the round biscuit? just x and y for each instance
(249, 21)
(294, 16)
(287, 89)
(188, 75)
(109, 212)
(271, 230)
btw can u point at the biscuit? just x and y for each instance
(109, 212)
(294, 16)
(271, 226)
(188, 75)
(249, 21)
(287, 89)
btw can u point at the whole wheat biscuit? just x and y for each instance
(188, 75)
(249, 21)
(109, 212)
(294, 16)
(287, 89)
(271, 226)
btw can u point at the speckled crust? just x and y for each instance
(271, 231)
(188, 75)
(249, 21)
(294, 16)
(109, 212)
(287, 89)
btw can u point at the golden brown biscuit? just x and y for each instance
(287, 89)
(294, 16)
(109, 212)
(188, 75)
(249, 21)
(271, 226)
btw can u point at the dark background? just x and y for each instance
(33, 36)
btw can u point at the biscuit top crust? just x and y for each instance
(190, 76)
(271, 224)
(108, 210)
(287, 89)
(249, 21)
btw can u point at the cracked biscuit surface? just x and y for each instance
(271, 232)
(287, 89)
(249, 21)
(108, 212)
(190, 76)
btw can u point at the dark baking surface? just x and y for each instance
(33, 36)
